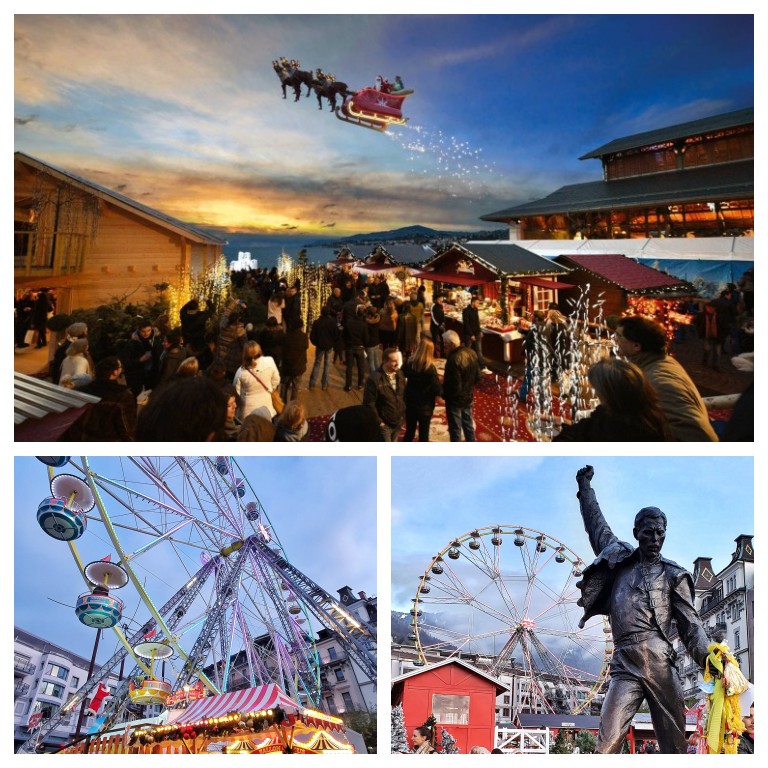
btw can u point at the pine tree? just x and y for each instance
(561, 746)
(399, 735)
(448, 743)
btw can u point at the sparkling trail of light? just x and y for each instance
(456, 165)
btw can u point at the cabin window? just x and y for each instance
(450, 710)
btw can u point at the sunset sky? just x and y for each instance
(185, 114)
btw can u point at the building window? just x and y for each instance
(330, 704)
(19, 708)
(737, 640)
(339, 672)
(75, 683)
(332, 653)
(54, 670)
(451, 710)
(348, 705)
(52, 689)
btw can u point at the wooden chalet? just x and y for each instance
(460, 696)
(498, 270)
(618, 280)
(91, 243)
(694, 179)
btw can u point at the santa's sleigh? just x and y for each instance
(374, 109)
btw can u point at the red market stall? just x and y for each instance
(511, 283)
(461, 698)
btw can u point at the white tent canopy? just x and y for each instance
(706, 248)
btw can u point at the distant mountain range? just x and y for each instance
(415, 233)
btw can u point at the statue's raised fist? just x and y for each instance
(587, 473)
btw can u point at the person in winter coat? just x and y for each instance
(74, 331)
(388, 323)
(76, 370)
(372, 350)
(325, 335)
(294, 363)
(232, 338)
(437, 324)
(629, 408)
(255, 381)
(141, 358)
(193, 323)
(291, 424)
(113, 418)
(644, 343)
(355, 342)
(407, 331)
(385, 395)
(172, 355)
(270, 339)
(462, 374)
(473, 334)
(421, 389)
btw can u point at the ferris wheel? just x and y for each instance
(207, 582)
(505, 597)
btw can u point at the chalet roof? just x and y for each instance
(679, 131)
(432, 667)
(190, 231)
(505, 258)
(408, 253)
(624, 272)
(728, 181)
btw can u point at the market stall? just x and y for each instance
(511, 283)
(257, 720)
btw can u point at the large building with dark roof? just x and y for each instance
(694, 179)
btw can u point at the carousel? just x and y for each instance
(259, 720)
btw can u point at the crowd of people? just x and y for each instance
(388, 350)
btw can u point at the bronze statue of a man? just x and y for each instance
(642, 593)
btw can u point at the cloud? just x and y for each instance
(327, 226)
(24, 120)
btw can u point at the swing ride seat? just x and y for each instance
(59, 520)
(151, 691)
(374, 109)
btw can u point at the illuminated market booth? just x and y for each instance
(258, 720)
(511, 283)
(626, 287)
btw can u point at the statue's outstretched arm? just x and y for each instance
(600, 533)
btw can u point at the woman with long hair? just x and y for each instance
(629, 407)
(421, 388)
(388, 324)
(255, 380)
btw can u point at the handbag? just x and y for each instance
(277, 401)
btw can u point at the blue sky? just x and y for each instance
(185, 114)
(327, 533)
(708, 502)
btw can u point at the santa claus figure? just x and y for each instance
(95, 704)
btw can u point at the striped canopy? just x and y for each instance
(248, 700)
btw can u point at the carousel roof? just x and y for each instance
(625, 273)
(247, 700)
